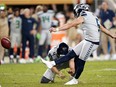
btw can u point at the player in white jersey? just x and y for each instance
(55, 53)
(15, 34)
(45, 17)
(91, 27)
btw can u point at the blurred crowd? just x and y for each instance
(28, 30)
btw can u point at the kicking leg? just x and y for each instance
(79, 68)
(86, 51)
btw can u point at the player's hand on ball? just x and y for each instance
(52, 29)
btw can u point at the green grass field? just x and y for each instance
(96, 74)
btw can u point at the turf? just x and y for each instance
(96, 74)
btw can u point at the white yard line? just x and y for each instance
(26, 74)
(105, 69)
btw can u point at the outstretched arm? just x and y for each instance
(107, 32)
(66, 26)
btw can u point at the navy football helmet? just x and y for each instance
(79, 8)
(62, 49)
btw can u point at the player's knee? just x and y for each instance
(45, 80)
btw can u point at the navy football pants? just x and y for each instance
(29, 38)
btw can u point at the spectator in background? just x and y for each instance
(71, 33)
(37, 37)
(38, 9)
(10, 12)
(45, 17)
(28, 34)
(21, 11)
(9, 15)
(15, 34)
(32, 10)
(55, 22)
(4, 30)
(61, 17)
(107, 18)
(97, 11)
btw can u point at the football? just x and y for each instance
(5, 42)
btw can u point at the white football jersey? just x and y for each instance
(46, 18)
(16, 25)
(90, 26)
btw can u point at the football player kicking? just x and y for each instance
(92, 28)
(55, 53)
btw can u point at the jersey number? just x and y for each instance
(17, 24)
(45, 18)
(97, 21)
